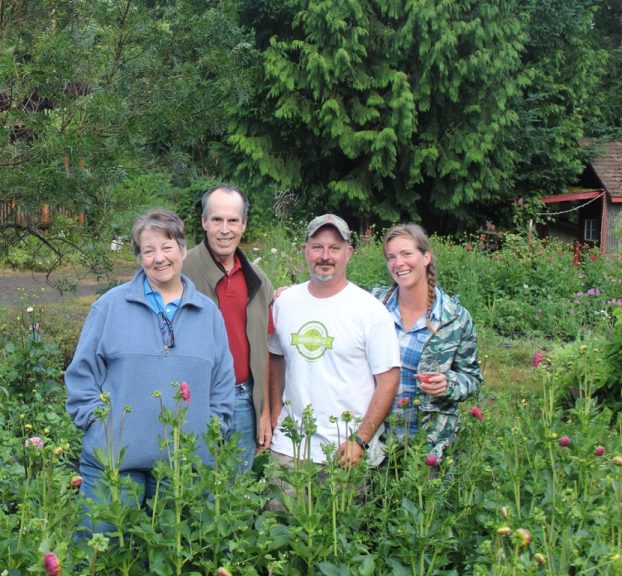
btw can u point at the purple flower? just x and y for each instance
(599, 450)
(564, 441)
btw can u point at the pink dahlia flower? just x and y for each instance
(402, 402)
(51, 564)
(431, 459)
(184, 391)
(476, 411)
(537, 359)
(35, 442)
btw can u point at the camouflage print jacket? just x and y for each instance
(452, 350)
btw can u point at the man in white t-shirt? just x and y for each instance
(335, 349)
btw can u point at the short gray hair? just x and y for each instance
(162, 220)
(230, 188)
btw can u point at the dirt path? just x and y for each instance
(37, 288)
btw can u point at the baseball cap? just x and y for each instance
(329, 220)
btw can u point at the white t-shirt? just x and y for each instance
(332, 348)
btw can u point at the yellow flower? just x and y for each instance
(28, 426)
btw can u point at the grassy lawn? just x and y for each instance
(506, 363)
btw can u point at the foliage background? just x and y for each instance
(443, 113)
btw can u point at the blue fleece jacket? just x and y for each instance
(121, 353)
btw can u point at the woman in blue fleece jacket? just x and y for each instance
(139, 338)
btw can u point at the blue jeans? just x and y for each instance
(92, 488)
(244, 424)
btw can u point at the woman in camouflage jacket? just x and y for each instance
(437, 341)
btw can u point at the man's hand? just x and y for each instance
(265, 431)
(280, 291)
(350, 454)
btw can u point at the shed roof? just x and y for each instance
(608, 166)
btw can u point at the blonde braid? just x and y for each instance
(431, 277)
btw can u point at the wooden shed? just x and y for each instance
(596, 201)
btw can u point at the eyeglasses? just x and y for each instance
(168, 335)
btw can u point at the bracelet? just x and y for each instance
(364, 445)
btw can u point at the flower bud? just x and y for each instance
(539, 558)
(599, 450)
(431, 460)
(184, 392)
(51, 564)
(564, 441)
(504, 530)
(476, 411)
(76, 482)
(523, 536)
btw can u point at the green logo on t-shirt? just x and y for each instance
(312, 340)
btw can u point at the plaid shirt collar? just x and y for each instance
(394, 308)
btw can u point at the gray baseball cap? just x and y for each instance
(329, 220)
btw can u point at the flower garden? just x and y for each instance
(533, 486)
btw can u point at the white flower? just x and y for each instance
(526, 286)
(257, 260)
(30, 309)
(273, 250)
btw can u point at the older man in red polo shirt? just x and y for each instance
(244, 295)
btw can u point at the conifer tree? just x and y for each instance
(386, 109)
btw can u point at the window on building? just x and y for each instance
(591, 230)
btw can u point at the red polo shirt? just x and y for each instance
(232, 295)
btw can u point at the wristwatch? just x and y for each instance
(364, 445)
